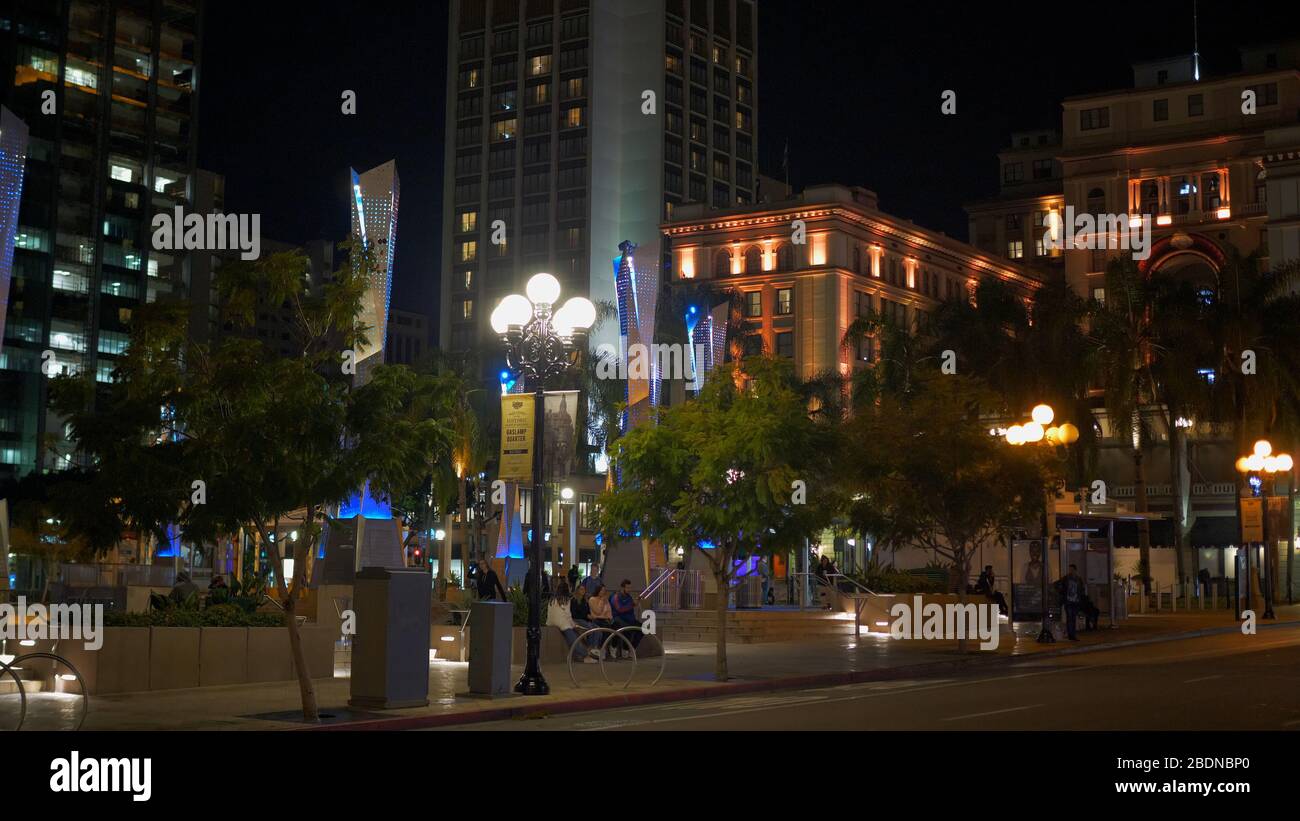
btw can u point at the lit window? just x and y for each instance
(467, 309)
(1016, 249)
(468, 221)
(468, 251)
(539, 65)
(504, 130)
(754, 304)
(784, 301)
(160, 183)
(573, 117)
(120, 173)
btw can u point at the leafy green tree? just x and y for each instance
(721, 470)
(248, 437)
(924, 471)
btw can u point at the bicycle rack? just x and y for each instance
(604, 647)
(22, 693)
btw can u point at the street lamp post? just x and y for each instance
(1263, 460)
(540, 344)
(1035, 432)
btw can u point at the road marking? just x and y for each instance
(1291, 723)
(993, 712)
(876, 694)
(1203, 678)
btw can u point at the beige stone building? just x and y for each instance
(798, 298)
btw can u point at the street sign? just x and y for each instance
(1252, 520)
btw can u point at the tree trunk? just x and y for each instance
(1176, 459)
(720, 658)
(963, 567)
(1290, 534)
(307, 690)
(1144, 527)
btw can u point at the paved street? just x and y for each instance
(1218, 682)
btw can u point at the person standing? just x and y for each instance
(1071, 587)
(489, 584)
(765, 576)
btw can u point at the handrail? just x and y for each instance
(659, 581)
(851, 581)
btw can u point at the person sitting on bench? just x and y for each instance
(985, 586)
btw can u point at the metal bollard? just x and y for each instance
(1173, 599)
(1214, 597)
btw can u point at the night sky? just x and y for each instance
(853, 86)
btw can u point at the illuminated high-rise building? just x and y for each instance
(13, 157)
(573, 126)
(374, 227)
(109, 92)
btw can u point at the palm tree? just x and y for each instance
(1125, 332)
(1255, 374)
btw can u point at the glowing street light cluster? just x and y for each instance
(1038, 430)
(1263, 460)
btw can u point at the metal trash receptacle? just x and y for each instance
(491, 629)
(390, 651)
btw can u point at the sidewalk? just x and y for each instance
(688, 675)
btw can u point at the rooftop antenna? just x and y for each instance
(1196, 45)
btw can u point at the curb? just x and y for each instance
(582, 705)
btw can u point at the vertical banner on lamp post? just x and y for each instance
(517, 437)
(1252, 520)
(561, 422)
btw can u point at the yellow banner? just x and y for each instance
(1252, 519)
(517, 437)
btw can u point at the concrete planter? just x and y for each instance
(268, 654)
(121, 665)
(173, 657)
(136, 659)
(223, 655)
(317, 648)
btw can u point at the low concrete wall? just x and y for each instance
(223, 655)
(136, 659)
(173, 657)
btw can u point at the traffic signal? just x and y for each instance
(418, 556)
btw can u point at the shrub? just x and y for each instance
(222, 615)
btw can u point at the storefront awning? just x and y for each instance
(1214, 531)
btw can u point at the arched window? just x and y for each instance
(753, 260)
(1096, 201)
(785, 258)
(722, 263)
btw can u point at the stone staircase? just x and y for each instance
(753, 626)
